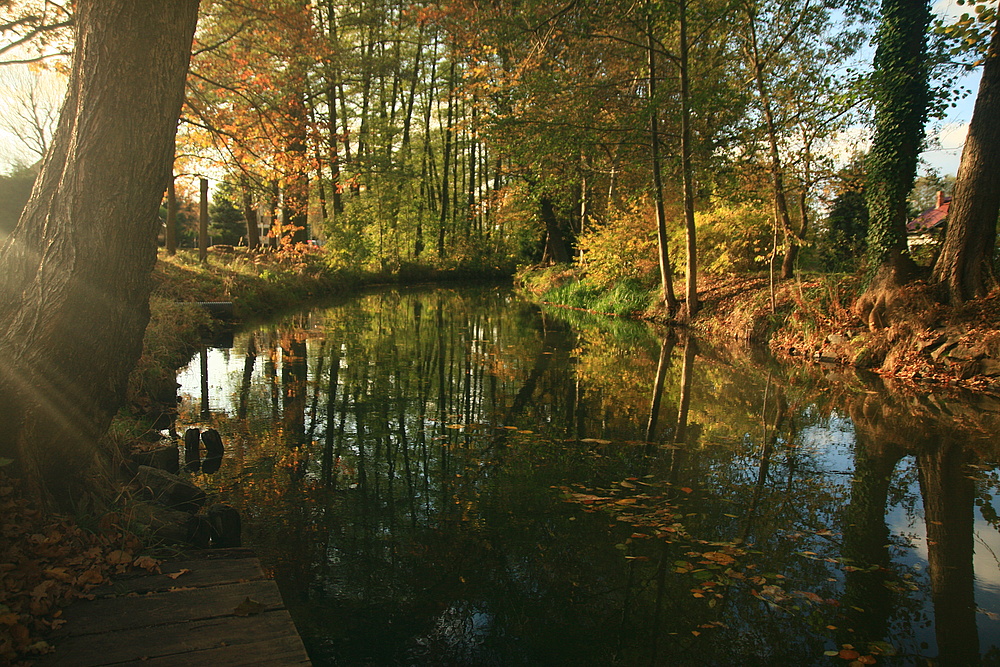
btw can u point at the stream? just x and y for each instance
(444, 476)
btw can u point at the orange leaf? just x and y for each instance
(848, 654)
(687, 489)
(174, 575)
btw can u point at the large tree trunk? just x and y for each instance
(900, 99)
(965, 265)
(75, 273)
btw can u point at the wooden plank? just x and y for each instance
(119, 613)
(199, 573)
(196, 620)
(267, 638)
(272, 652)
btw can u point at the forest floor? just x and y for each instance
(814, 318)
(817, 319)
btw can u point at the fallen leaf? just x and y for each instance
(249, 607)
(174, 575)
(146, 563)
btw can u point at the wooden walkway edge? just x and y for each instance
(220, 612)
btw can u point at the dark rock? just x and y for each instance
(166, 458)
(967, 369)
(989, 367)
(172, 526)
(192, 450)
(226, 526)
(214, 451)
(942, 349)
(923, 344)
(963, 353)
(170, 490)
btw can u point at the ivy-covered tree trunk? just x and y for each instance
(901, 97)
(75, 273)
(965, 265)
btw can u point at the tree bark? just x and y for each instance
(75, 273)
(965, 265)
(900, 104)
(687, 170)
(666, 271)
(170, 237)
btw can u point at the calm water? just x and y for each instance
(445, 477)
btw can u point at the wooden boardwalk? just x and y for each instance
(220, 612)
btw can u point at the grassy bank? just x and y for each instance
(813, 318)
(259, 284)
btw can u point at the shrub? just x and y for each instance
(732, 238)
(623, 248)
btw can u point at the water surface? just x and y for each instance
(454, 477)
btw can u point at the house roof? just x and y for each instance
(929, 219)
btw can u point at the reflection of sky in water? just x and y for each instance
(827, 444)
(225, 369)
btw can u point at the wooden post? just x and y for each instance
(203, 222)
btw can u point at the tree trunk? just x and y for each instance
(250, 214)
(900, 99)
(666, 271)
(170, 237)
(75, 273)
(687, 170)
(555, 244)
(203, 219)
(446, 155)
(783, 219)
(965, 265)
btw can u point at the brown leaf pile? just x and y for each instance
(46, 562)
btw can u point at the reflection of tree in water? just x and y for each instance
(415, 520)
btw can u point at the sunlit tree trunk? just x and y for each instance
(965, 265)
(443, 220)
(170, 236)
(75, 272)
(687, 169)
(666, 271)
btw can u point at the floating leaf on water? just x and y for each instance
(174, 575)
(882, 648)
(596, 441)
(687, 489)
